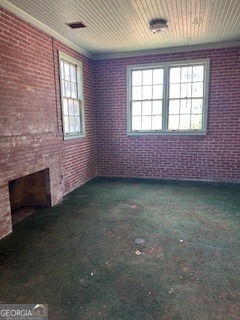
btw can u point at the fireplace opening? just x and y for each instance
(28, 193)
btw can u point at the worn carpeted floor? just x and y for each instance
(81, 257)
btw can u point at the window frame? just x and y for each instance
(80, 95)
(165, 106)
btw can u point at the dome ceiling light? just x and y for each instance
(158, 25)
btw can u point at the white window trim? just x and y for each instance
(166, 66)
(63, 56)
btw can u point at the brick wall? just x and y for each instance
(214, 157)
(30, 115)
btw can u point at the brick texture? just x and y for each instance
(214, 157)
(30, 119)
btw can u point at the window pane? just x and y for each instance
(73, 73)
(196, 122)
(63, 89)
(147, 92)
(146, 123)
(184, 122)
(62, 75)
(136, 78)
(76, 108)
(158, 76)
(198, 72)
(174, 91)
(65, 107)
(174, 106)
(147, 108)
(186, 90)
(197, 106)
(71, 124)
(175, 75)
(70, 107)
(197, 89)
(136, 123)
(156, 123)
(136, 108)
(173, 122)
(67, 89)
(136, 93)
(147, 77)
(186, 74)
(73, 90)
(185, 106)
(157, 107)
(66, 71)
(66, 124)
(77, 124)
(62, 69)
(157, 92)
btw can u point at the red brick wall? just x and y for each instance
(214, 157)
(30, 114)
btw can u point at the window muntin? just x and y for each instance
(72, 97)
(169, 98)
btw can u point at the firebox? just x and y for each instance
(28, 193)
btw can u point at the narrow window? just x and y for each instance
(71, 97)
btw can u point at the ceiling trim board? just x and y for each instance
(212, 46)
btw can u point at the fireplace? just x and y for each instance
(29, 193)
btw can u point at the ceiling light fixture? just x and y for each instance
(158, 25)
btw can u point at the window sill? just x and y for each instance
(166, 133)
(71, 137)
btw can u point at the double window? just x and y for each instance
(71, 96)
(168, 98)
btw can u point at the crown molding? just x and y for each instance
(218, 45)
(28, 18)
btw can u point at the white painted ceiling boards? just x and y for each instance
(121, 27)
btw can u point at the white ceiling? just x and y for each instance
(119, 27)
